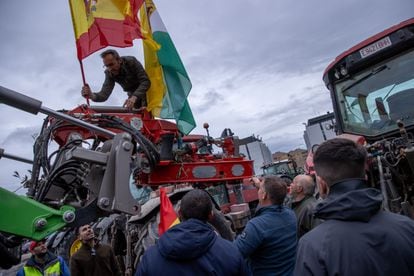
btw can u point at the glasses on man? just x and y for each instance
(109, 65)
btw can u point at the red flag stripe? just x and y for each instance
(106, 32)
(168, 216)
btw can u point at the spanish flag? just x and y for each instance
(101, 23)
(170, 84)
(168, 216)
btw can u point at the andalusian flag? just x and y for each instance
(170, 84)
(100, 23)
(168, 217)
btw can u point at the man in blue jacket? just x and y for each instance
(43, 262)
(269, 239)
(357, 237)
(192, 247)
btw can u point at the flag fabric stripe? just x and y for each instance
(157, 90)
(105, 32)
(98, 24)
(168, 217)
(177, 83)
(157, 25)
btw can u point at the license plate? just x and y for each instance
(375, 47)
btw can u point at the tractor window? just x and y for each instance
(278, 168)
(373, 100)
(219, 193)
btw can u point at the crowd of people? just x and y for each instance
(340, 230)
(343, 232)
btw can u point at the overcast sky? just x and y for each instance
(256, 65)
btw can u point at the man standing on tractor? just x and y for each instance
(43, 262)
(128, 72)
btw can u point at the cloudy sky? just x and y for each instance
(256, 65)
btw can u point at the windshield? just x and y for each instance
(372, 100)
(279, 168)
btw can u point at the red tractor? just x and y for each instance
(107, 163)
(372, 90)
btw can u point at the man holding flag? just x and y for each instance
(192, 247)
(128, 72)
(98, 24)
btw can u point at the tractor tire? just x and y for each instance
(222, 225)
(62, 249)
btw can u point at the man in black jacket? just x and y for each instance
(128, 72)
(93, 259)
(357, 237)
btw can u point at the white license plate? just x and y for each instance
(375, 47)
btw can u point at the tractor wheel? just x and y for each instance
(62, 249)
(222, 225)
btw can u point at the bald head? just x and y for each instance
(302, 186)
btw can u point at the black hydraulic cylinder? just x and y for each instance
(34, 106)
(14, 157)
(19, 101)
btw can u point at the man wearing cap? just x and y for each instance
(43, 262)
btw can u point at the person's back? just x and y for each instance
(192, 248)
(275, 230)
(357, 237)
(269, 239)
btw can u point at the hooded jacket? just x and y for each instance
(192, 248)
(357, 237)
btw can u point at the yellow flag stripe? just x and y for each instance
(84, 14)
(156, 92)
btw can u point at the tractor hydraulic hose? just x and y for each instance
(383, 184)
(148, 147)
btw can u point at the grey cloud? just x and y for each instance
(209, 100)
(23, 136)
(224, 45)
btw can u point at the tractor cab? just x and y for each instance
(372, 84)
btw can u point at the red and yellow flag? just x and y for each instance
(101, 23)
(168, 216)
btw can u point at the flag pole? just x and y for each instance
(83, 79)
(80, 60)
